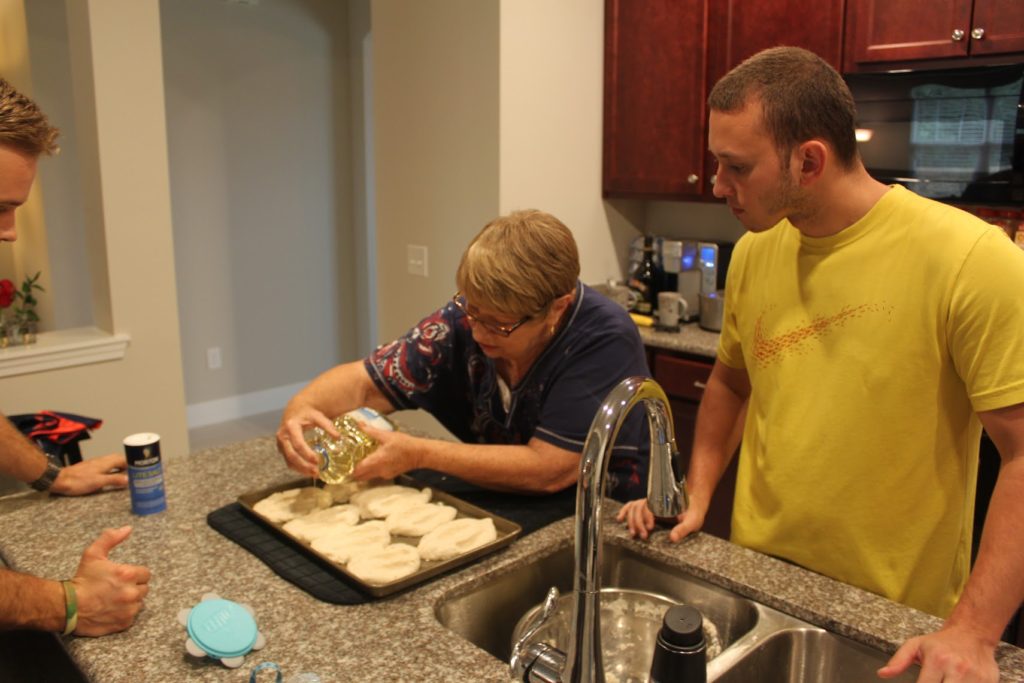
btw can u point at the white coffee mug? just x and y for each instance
(671, 308)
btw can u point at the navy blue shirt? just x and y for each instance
(437, 366)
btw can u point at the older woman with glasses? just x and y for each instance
(515, 365)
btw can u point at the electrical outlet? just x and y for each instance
(416, 259)
(213, 361)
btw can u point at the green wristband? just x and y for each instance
(70, 608)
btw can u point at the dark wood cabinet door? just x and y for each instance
(1001, 27)
(887, 31)
(741, 28)
(654, 89)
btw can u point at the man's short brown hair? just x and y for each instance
(802, 98)
(23, 125)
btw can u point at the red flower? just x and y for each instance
(6, 293)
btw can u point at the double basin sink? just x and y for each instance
(760, 644)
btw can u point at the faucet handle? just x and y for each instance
(522, 657)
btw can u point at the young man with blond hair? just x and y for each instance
(103, 596)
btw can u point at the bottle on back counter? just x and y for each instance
(644, 280)
(338, 457)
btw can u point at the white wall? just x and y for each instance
(552, 75)
(258, 112)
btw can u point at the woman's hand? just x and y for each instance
(291, 442)
(396, 454)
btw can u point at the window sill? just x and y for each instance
(63, 349)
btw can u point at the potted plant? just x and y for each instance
(25, 315)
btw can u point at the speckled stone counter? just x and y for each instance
(393, 639)
(691, 338)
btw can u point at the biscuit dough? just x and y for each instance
(323, 522)
(380, 501)
(392, 563)
(285, 506)
(457, 537)
(345, 543)
(419, 518)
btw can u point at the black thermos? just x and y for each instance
(680, 653)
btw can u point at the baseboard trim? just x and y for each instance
(240, 405)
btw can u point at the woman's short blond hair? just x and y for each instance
(519, 263)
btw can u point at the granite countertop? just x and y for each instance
(691, 338)
(392, 639)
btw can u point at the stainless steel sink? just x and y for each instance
(807, 655)
(487, 615)
(759, 643)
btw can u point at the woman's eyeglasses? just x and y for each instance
(504, 330)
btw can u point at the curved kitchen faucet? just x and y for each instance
(583, 663)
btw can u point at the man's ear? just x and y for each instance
(811, 158)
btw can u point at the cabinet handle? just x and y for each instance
(714, 178)
(700, 385)
(692, 178)
(978, 33)
(958, 35)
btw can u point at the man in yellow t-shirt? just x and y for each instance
(868, 336)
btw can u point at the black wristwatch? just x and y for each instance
(46, 479)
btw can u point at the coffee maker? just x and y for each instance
(692, 267)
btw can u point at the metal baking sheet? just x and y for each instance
(507, 531)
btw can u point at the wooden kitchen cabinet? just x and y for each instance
(881, 31)
(661, 59)
(684, 380)
(654, 89)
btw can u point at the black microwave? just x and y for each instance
(953, 135)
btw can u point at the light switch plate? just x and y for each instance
(416, 259)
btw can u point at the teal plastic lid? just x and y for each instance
(222, 628)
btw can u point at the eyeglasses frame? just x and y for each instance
(501, 330)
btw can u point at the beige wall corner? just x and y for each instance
(435, 108)
(125, 155)
(551, 118)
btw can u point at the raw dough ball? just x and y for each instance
(394, 562)
(457, 537)
(343, 491)
(419, 518)
(285, 506)
(344, 543)
(380, 501)
(323, 522)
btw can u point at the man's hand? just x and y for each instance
(396, 454)
(640, 520)
(950, 655)
(291, 442)
(90, 476)
(109, 594)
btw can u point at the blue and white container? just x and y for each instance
(145, 473)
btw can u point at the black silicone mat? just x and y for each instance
(319, 579)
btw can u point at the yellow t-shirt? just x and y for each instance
(869, 353)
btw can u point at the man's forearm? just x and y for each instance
(31, 603)
(19, 457)
(996, 587)
(719, 429)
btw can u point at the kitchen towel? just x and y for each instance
(289, 561)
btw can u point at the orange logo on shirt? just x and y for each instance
(769, 349)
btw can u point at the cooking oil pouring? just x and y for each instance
(338, 457)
